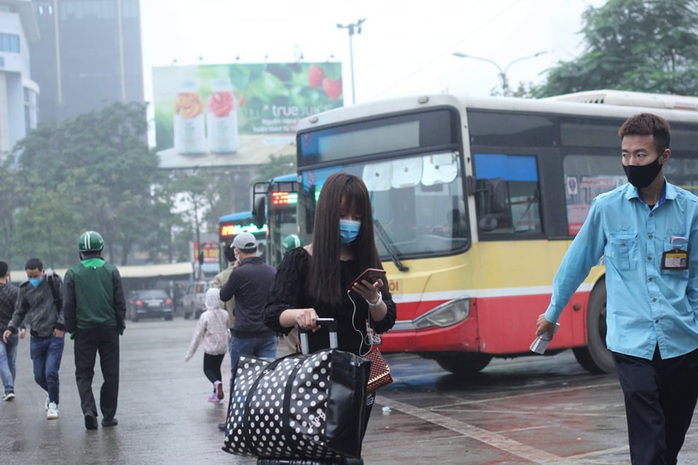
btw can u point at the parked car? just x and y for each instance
(193, 301)
(149, 303)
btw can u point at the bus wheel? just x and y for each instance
(463, 363)
(595, 357)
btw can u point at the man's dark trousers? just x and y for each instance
(89, 342)
(660, 396)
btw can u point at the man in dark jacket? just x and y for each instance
(39, 306)
(95, 310)
(249, 283)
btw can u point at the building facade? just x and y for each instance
(18, 92)
(89, 56)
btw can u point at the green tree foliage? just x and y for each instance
(204, 192)
(94, 172)
(635, 45)
(11, 193)
(278, 165)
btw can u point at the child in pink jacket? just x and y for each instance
(212, 332)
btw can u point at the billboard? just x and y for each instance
(237, 114)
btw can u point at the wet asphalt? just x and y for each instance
(532, 410)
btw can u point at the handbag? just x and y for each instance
(299, 406)
(380, 370)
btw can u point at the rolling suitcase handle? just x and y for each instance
(331, 325)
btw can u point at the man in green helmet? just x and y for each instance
(95, 311)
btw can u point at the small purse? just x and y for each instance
(380, 371)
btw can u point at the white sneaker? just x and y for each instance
(46, 402)
(8, 397)
(52, 412)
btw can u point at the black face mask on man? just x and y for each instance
(642, 176)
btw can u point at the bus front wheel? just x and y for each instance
(595, 357)
(463, 363)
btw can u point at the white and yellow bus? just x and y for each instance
(476, 201)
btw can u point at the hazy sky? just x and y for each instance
(403, 49)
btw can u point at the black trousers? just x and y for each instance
(660, 397)
(89, 342)
(212, 366)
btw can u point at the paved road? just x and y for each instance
(533, 410)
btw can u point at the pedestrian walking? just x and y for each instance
(95, 311)
(39, 305)
(646, 231)
(221, 278)
(317, 280)
(212, 333)
(8, 350)
(249, 283)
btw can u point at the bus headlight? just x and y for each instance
(444, 315)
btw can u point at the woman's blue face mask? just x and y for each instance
(348, 230)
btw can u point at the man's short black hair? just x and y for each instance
(4, 268)
(34, 264)
(648, 124)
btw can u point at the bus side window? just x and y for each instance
(492, 204)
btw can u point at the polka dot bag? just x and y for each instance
(299, 406)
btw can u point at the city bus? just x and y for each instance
(274, 205)
(476, 200)
(235, 223)
(271, 221)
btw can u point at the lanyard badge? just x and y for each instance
(675, 259)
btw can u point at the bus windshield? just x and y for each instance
(417, 202)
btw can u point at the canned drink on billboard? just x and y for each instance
(221, 118)
(189, 130)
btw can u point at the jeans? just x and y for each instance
(8, 362)
(262, 347)
(46, 353)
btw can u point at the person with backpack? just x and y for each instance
(95, 313)
(39, 306)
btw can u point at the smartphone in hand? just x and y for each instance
(370, 275)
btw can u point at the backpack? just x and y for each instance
(54, 283)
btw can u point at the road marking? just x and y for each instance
(493, 439)
(540, 392)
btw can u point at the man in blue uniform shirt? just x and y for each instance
(646, 231)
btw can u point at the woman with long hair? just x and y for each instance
(314, 281)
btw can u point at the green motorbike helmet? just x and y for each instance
(90, 241)
(291, 242)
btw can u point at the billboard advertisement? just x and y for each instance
(237, 114)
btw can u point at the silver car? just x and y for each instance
(193, 300)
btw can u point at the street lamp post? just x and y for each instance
(502, 71)
(350, 29)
